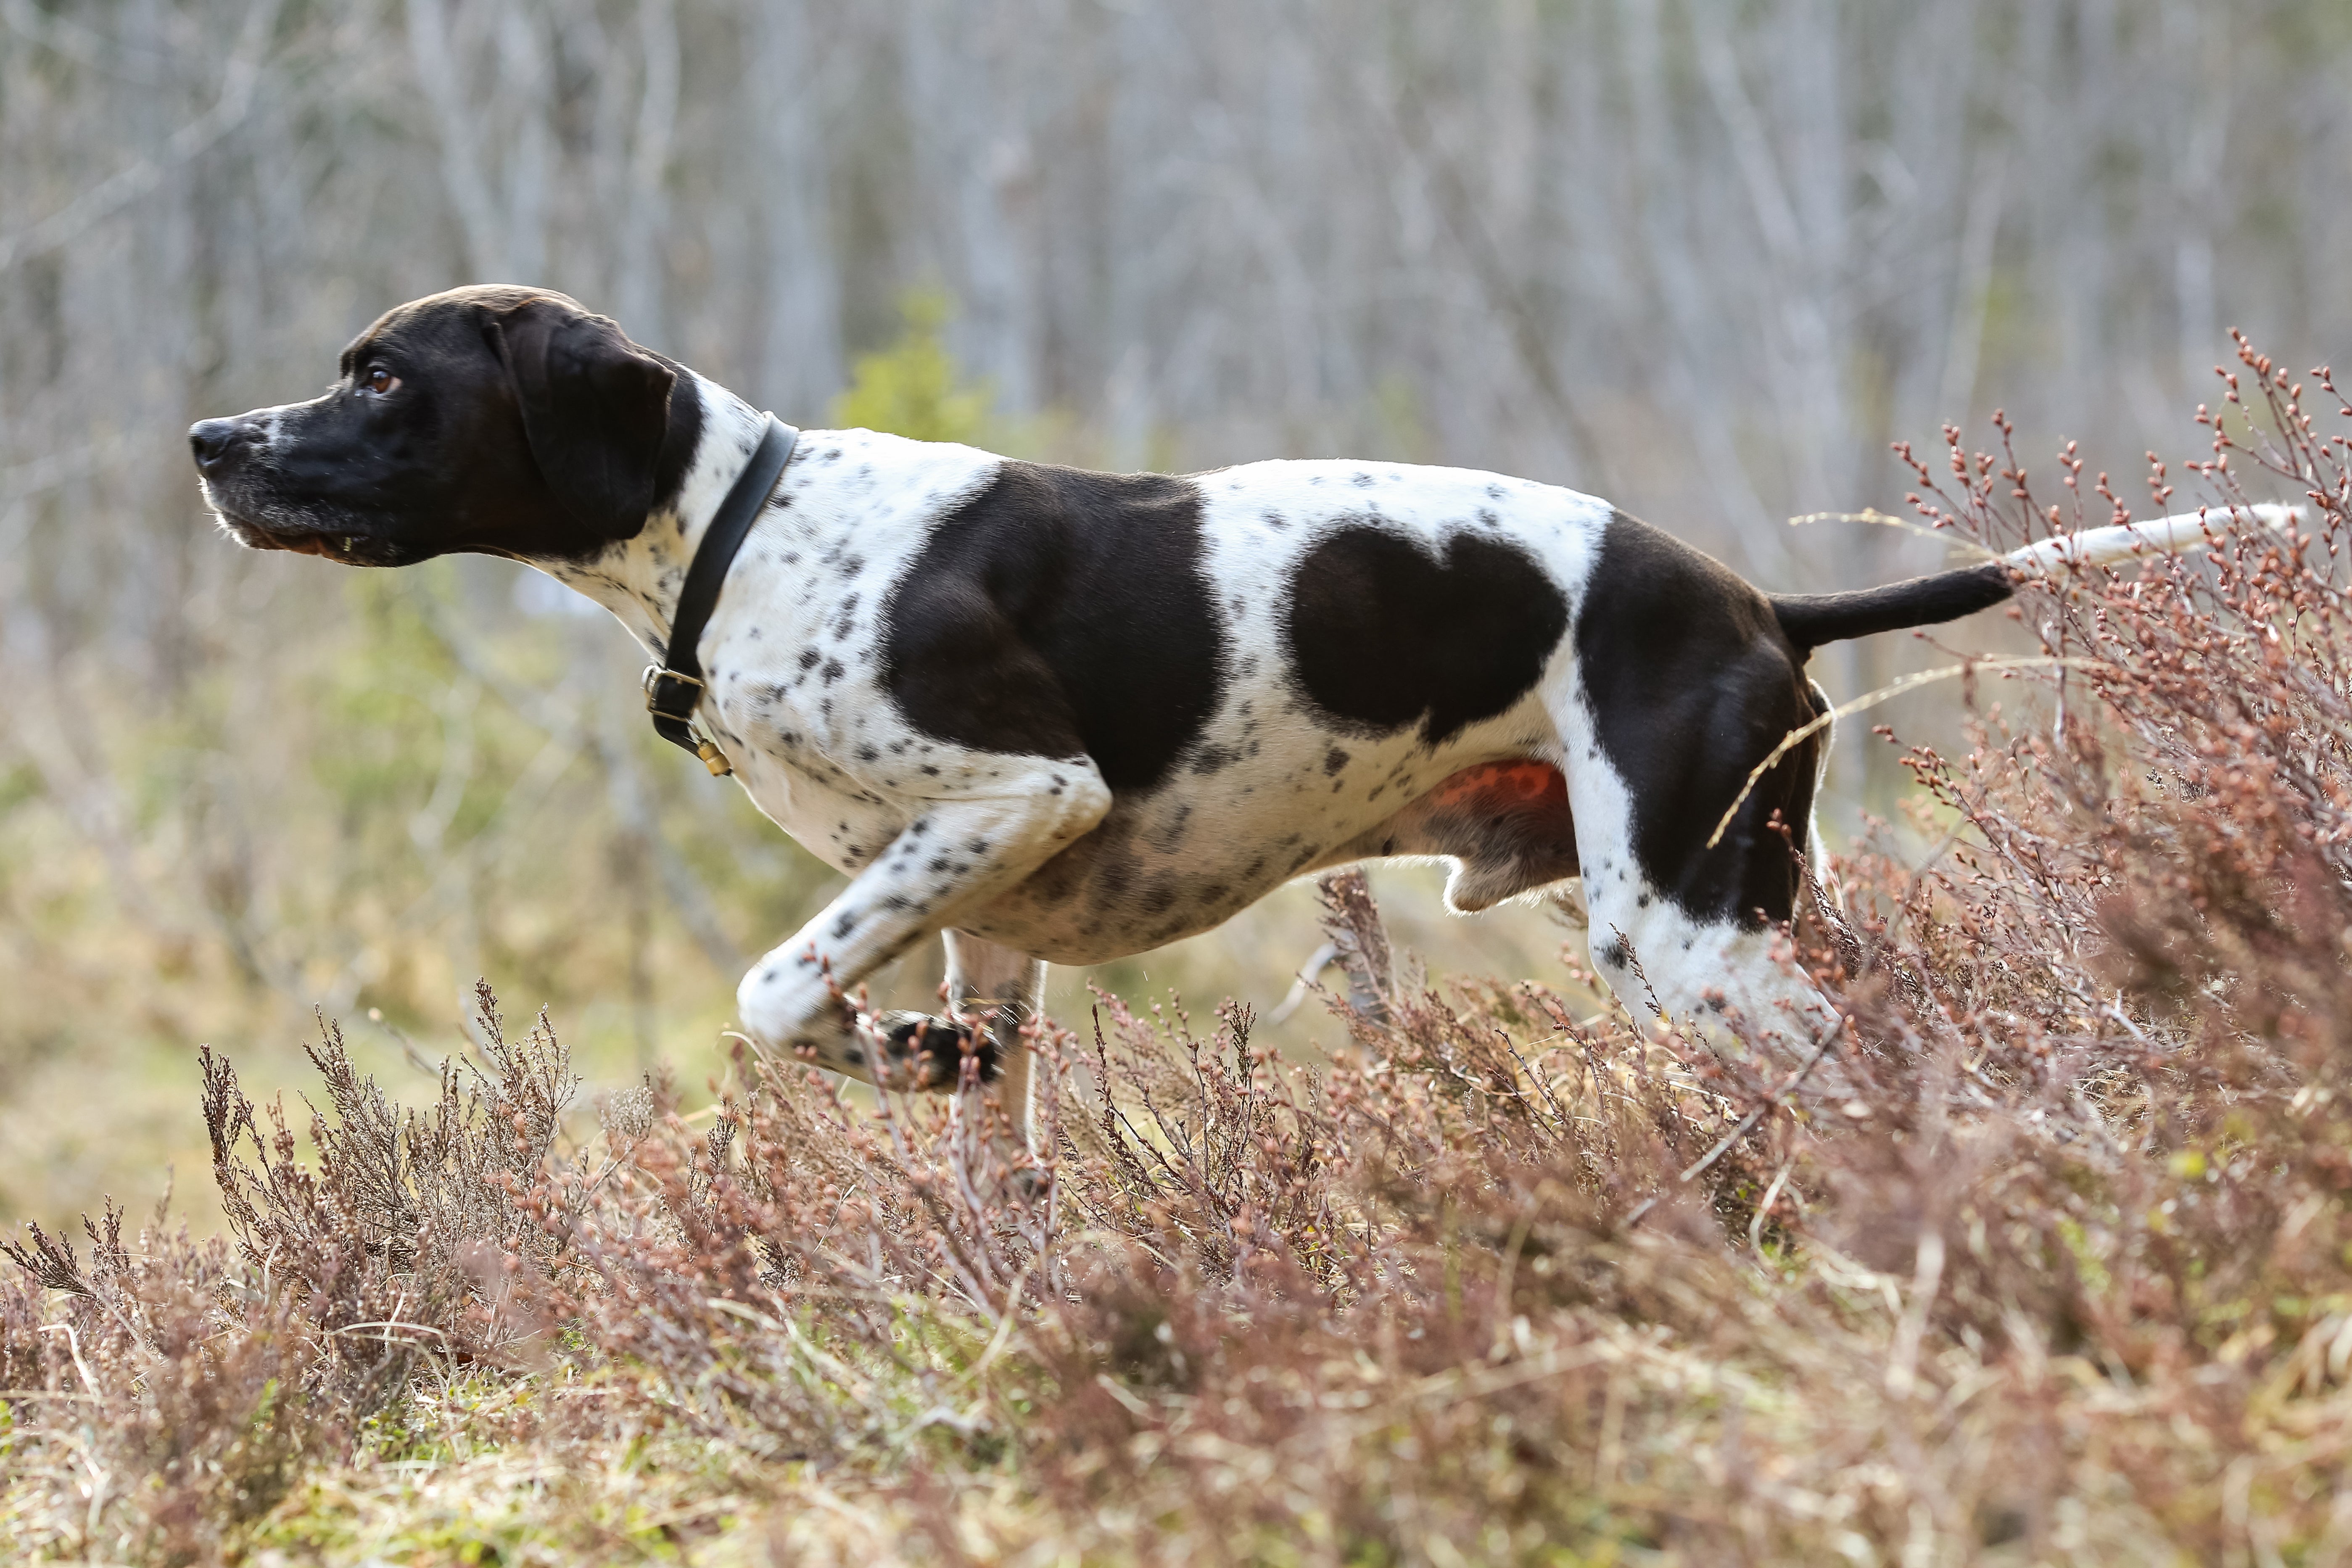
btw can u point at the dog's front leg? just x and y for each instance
(952, 856)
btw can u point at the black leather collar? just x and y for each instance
(673, 688)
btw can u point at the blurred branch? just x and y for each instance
(624, 784)
(51, 469)
(1972, 303)
(1689, 356)
(692, 902)
(460, 864)
(75, 777)
(75, 42)
(239, 83)
(1804, 253)
(1751, 145)
(637, 290)
(1308, 972)
(496, 225)
(1405, 113)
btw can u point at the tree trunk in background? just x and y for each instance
(787, 87)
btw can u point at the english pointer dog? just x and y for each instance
(1063, 717)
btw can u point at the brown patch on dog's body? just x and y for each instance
(1507, 825)
(1500, 788)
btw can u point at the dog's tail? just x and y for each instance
(1808, 620)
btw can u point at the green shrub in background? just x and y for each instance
(914, 387)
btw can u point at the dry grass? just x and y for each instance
(2050, 1261)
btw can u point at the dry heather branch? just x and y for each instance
(1359, 940)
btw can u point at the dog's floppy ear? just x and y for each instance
(595, 408)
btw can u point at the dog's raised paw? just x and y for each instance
(918, 1051)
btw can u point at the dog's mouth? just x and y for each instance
(344, 548)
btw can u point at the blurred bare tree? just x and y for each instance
(1703, 257)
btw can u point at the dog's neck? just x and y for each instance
(639, 579)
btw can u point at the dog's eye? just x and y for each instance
(379, 381)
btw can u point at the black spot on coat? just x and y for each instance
(1061, 613)
(1692, 683)
(1383, 634)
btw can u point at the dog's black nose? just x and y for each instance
(211, 440)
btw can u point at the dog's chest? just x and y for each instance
(795, 656)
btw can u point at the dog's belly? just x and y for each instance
(1147, 876)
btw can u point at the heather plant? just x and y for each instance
(2041, 1255)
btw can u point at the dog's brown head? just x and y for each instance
(501, 420)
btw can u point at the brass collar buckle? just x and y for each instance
(673, 696)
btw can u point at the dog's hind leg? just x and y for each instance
(1682, 919)
(1660, 959)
